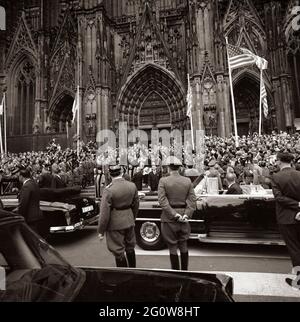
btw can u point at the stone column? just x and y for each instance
(221, 105)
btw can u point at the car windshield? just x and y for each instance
(34, 270)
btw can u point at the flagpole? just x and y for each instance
(78, 125)
(5, 125)
(260, 102)
(191, 115)
(1, 140)
(232, 98)
(67, 129)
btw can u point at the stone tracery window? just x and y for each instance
(294, 64)
(24, 97)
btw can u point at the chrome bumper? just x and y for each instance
(71, 228)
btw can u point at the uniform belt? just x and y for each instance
(122, 208)
(178, 206)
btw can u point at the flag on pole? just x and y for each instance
(2, 105)
(189, 109)
(261, 63)
(189, 99)
(240, 57)
(264, 99)
(75, 107)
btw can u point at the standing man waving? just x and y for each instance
(177, 199)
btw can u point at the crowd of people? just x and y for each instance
(73, 169)
(253, 161)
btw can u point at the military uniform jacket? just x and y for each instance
(176, 195)
(119, 206)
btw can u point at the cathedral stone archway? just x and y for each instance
(247, 94)
(152, 96)
(61, 114)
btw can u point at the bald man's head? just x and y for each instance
(231, 177)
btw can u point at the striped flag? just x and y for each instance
(261, 63)
(75, 107)
(189, 99)
(2, 105)
(264, 99)
(240, 57)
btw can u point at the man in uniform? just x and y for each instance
(118, 210)
(177, 199)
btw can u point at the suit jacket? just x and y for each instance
(153, 180)
(286, 190)
(176, 195)
(119, 206)
(29, 202)
(234, 189)
(57, 182)
(138, 180)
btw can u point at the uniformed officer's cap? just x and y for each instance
(172, 160)
(115, 170)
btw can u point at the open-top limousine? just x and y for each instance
(249, 218)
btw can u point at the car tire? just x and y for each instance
(149, 236)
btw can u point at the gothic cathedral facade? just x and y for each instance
(131, 59)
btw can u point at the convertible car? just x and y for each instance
(64, 210)
(35, 272)
(249, 218)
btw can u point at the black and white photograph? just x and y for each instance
(149, 153)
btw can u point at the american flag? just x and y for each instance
(75, 108)
(240, 57)
(264, 99)
(2, 105)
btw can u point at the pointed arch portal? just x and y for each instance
(247, 97)
(152, 96)
(61, 113)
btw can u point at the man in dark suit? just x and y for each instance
(57, 181)
(233, 187)
(137, 179)
(29, 202)
(286, 188)
(118, 210)
(177, 199)
(153, 179)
